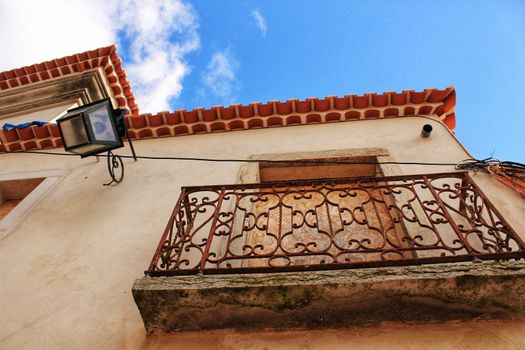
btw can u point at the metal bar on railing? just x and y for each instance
(167, 231)
(333, 224)
(442, 206)
(212, 230)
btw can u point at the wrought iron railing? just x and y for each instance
(333, 224)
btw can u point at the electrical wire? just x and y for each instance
(483, 164)
(294, 161)
(235, 160)
(511, 174)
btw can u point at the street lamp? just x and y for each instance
(93, 129)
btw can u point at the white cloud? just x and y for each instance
(36, 31)
(219, 81)
(159, 34)
(260, 22)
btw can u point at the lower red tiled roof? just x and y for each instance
(430, 102)
(435, 102)
(105, 58)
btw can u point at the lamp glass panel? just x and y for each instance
(74, 132)
(100, 120)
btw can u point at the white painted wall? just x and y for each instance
(68, 266)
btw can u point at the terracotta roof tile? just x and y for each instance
(333, 117)
(105, 57)
(24, 80)
(360, 101)
(209, 115)
(248, 111)
(391, 112)
(438, 103)
(380, 100)
(352, 115)
(303, 106)
(265, 109)
(20, 72)
(341, 103)
(390, 104)
(417, 97)
(217, 127)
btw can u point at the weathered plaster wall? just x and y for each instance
(68, 266)
(357, 297)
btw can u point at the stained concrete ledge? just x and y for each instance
(425, 293)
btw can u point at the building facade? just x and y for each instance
(413, 260)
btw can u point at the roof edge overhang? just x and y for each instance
(106, 67)
(429, 102)
(103, 59)
(435, 103)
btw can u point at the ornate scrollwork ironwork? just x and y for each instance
(329, 224)
(115, 168)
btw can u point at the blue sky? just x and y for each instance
(221, 52)
(320, 48)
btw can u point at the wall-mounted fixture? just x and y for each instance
(93, 129)
(426, 131)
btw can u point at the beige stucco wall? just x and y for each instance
(491, 335)
(68, 266)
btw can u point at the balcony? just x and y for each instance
(332, 224)
(230, 255)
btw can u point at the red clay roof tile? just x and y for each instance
(391, 104)
(72, 64)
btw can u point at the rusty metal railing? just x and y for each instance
(333, 224)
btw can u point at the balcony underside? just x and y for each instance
(428, 293)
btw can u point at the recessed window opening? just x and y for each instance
(12, 192)
(20, 193)
(316, 225)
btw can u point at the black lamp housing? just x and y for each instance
(92, 129)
